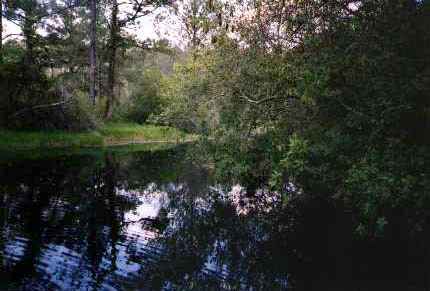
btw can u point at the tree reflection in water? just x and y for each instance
(153, 220)
(65, 220)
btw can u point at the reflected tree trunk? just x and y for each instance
(114, 220)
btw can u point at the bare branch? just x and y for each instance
(264, 100)
(10, 35)
(38, 107)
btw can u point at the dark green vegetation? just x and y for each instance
(331, 97)
(49, 80)
(149, 220)
(43, 83)
(323, 104)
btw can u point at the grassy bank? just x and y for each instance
(112, 134)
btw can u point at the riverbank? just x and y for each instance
(112, 134)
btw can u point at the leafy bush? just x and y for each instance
(21, 87)
(188, 97)
(145, 96)
(80, 114)
(30, 100)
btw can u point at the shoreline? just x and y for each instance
(110, 135)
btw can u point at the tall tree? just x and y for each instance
(27, 14)
(204, 21)
(135, 10)
(29, 29)
(112, 57)
(93, 52)
(196, 21)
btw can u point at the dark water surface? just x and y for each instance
(155, 220)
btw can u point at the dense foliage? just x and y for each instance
(47, 72)
(334, 101)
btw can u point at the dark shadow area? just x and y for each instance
(153, 221)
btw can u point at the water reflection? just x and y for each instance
(81, 222)
(156, 221)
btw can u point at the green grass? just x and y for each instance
(111, 134)
(117, 132)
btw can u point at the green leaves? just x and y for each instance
(297, 155)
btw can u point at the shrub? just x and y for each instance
(30, 100)
(145, 96)
(22, 87)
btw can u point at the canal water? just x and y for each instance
(143, 219)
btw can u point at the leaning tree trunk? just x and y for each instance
(112, 59)
(93, 53)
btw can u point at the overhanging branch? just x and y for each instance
(39, 107)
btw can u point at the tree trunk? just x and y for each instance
(112, 59)
(93, 53)
(29, 33)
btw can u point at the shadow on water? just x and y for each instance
(154, 220)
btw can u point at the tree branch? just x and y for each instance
(264, 100)
(11, 34)
(38, 107)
